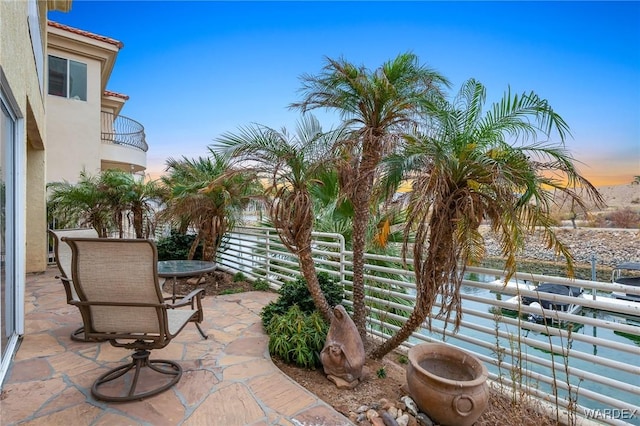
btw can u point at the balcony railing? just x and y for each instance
(123, 131)
(586, 363)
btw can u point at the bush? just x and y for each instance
(597, 221)
(297, 337)
(176, 246)
(239, 276)
(624, 218)
(297, 293)
(261, 285)
(232, 291)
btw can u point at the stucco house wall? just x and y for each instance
(74, 126)
(73, 130)
(18, 66)
(24, 245)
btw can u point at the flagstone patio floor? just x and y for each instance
(228, 379)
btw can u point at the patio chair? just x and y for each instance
(120, 300)
(63, 260)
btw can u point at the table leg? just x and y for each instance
(173, 292)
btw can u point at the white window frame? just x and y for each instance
(37, 42)
(68, 78)
(16, 204)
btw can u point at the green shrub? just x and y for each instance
(176, 246)
(297, 293)
(232, 291)
(239, 276)
(261, 285)
(297, 337)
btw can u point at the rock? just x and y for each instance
(384, 403)
(393, 411)
(609, 246)
(372, 414)
(343, 409)
(377, 421)
(362, 409)
(388, 419)
(403, 420)
(412, 408)
(341, 383)
(424, 420)
(196, 280)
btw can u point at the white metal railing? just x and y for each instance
(588, 360)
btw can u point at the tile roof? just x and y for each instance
(117, 95)
(114, 42)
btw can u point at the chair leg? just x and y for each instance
(78, 336)
(140, 360)
(204, 336)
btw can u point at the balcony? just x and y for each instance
(123, 143)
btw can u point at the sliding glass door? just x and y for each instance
(8, 285)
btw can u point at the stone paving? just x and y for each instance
(227, 380)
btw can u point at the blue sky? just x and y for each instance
(196, 69)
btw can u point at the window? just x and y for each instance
(67, 78)
(36, 41)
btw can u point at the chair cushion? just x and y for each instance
(178, 318)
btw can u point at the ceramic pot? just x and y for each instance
(447, 383)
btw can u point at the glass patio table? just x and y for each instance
(183, 268)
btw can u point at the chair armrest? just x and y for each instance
(132, 304)
(67, 283)
(188, 299)
(194, 301)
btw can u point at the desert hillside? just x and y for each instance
(615, 197)
(621, 195)
(609, 246)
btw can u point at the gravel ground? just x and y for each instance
(610, 246)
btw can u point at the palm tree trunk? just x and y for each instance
(194, 247)
(208, 249)
(119, 219)
(308, 267)
(432, 275)
(360, 223)
(137, 222)
(210, 236)
(360, 201)
(417, 317)
(414, 321)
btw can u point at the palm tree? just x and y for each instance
(468, 167)
(102, 201)
(142, 199)
(114, 185)
(289, 165)
(377, 107)
(82, 203)
(204, 196)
